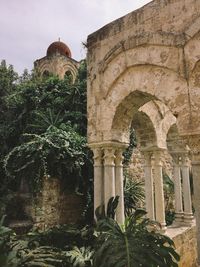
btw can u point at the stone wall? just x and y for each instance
(55, 207)
(186, 244)
(137, 165)
(58, 65)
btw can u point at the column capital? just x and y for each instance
(97, 156)
(109, 156)
(185, 160)
(157, 156)
(119, 157)
(147, 157)
(193, 142)
(176, 156)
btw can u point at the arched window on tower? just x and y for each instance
(46, 74)
(69, 76)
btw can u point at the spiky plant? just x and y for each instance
(133, 194)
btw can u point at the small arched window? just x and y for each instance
(46, 74)
(68, 76)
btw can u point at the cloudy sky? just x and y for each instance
(27, 27)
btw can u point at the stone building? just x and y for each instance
(143, 72)
(58, 60)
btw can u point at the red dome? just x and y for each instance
(59, 47)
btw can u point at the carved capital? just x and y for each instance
(119, 158)
(109, 157)
(185, 160)
(157, 157)
(193, 142)
(176, 158)
(147, 157)
(97, 156)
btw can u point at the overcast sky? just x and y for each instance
(28, 27)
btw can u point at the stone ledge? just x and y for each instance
(184, 238)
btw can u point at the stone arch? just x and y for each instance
(144, 130)
(191, 51)
(195, 75)
(156, 52)
(125, 113)
(131, 90)
(151, 132)
(192, 29)
(69, 67)
(149, 56)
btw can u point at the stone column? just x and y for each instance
(98, 178)
(119, 186)
(159, 194)
(109, 174)
(149, 190)
(194, 144)
(188, 215)
(177, 189)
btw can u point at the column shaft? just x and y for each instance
(177, 190)
(196, 180)
(159, 194)
(109, 174)
(188, 216)
(149, 190)
(98, 178)
(119, 186)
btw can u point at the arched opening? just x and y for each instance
(46, 74)
(181, 177)
(125, 113)
(68, 76)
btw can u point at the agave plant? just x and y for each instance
(133, 244)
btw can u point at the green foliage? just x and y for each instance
(42, 256)
(129, 151)
(64, 236)
(133, 244)
(8, 78)
(48, 154)
(103, 212)
(80, 257)
(5, 234)
(169, 199)
(133, 194)
(57, 247)
(43, 129)
(108, 244)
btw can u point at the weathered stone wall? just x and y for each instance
(153, 50)
(136, 168)
(54, 207)
(186, 245)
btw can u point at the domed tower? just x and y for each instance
(58, 60)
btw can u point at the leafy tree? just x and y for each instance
(57, 152)
(8, 78)
(45, 113)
